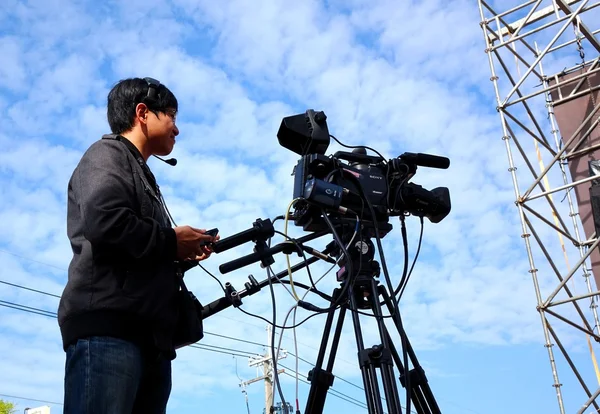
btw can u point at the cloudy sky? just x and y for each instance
(399, 76)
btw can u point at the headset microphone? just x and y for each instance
(170, 161)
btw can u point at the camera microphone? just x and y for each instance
(426, 160)
(170, 161)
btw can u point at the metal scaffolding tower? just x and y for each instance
(545, 70)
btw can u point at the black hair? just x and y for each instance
(124, 97)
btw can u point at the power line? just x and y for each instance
(247, 353)
(30, 289)
(333, 392)
(29, 399)
(340, 378)
(65, 270)
(27, 309)
(236, 339)
(205, 347)
(42, 312)
(54, 315)
(199, 346)
(32, 260)
(296, 373)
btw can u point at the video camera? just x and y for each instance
(330, 194)
(325, 182)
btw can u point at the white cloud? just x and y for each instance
(12, 71)
(410, 77)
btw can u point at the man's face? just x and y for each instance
(162, 131)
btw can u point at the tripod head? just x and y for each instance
(359, 261)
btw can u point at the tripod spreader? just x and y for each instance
(377, 355)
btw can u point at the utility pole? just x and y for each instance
(266, 361)
(268, 370)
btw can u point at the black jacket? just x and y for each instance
(122, 276)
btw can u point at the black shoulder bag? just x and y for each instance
(189, 328)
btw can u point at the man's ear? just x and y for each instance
(141, 113)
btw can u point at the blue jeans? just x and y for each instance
(106, 375)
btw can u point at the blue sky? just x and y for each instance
(397, 76)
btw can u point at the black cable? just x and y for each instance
(273, 323)
(359, 146)
(214, 277)
(362, 210)
(405, 248)
(278, 326)
(414, 260)
(270, 274)
(402, 333)
(351, 275)
(349, 278)
(380, 248)
(275, 374)
(301, 251)
(349, 264)
(306, 287)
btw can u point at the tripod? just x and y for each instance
(364, 291)
(360, 291)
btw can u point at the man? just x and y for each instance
(118, 310)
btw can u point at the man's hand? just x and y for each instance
(188, 243)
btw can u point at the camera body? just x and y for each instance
(370, 186)
(326, 182)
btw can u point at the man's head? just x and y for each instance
(144, 108)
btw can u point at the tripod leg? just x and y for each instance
(319, 378)
(417, 397)
(385, 359)
(421, 393)
(366, 365)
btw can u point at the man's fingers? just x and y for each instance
(202, 256)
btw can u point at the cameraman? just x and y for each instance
(118, 309)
